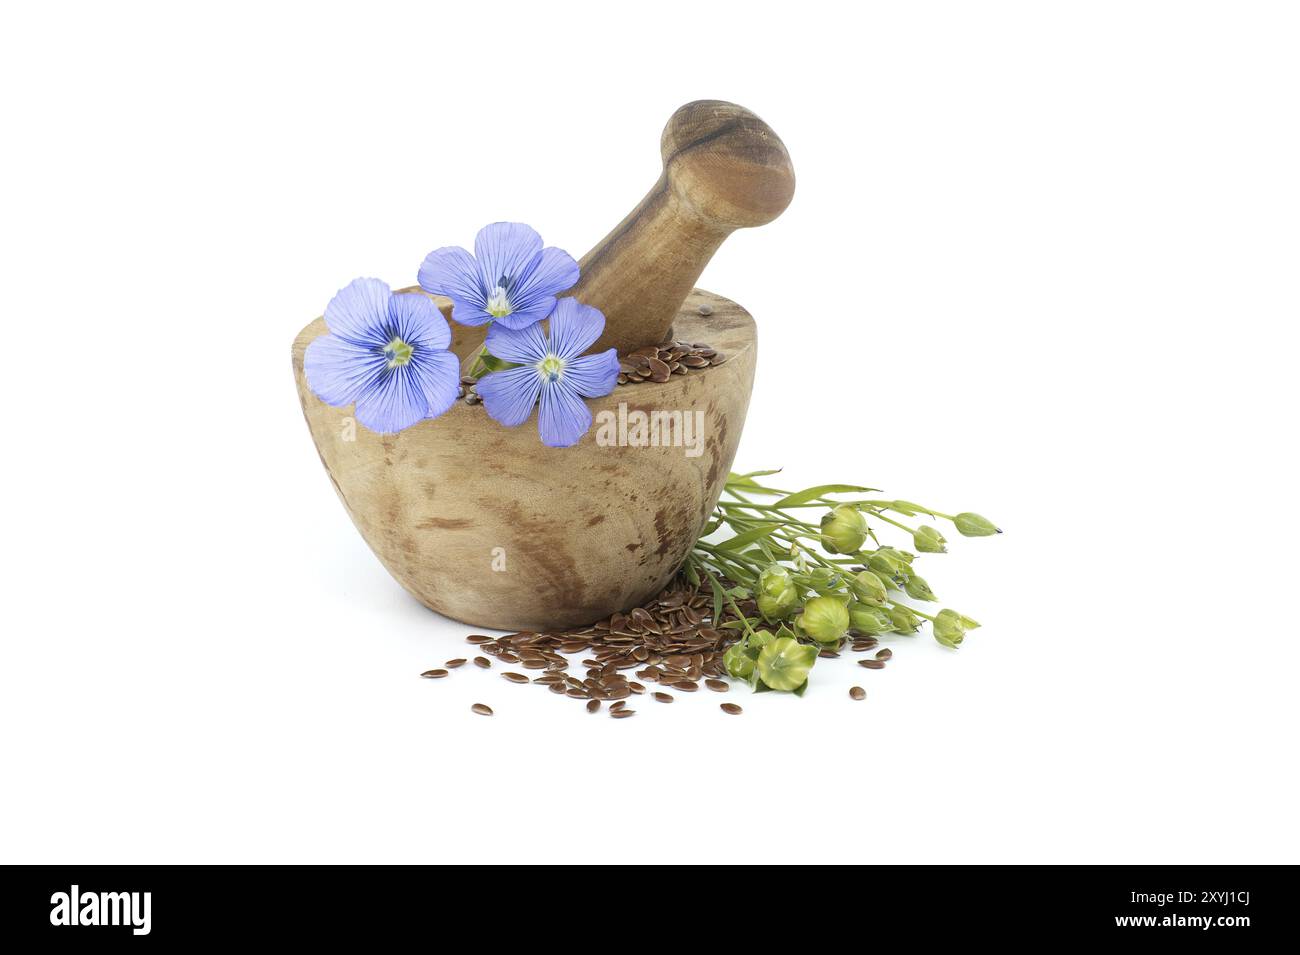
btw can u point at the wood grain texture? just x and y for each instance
(723, 169)
(584, 531)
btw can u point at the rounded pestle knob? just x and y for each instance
(724, 169)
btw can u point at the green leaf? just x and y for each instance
(747, 477)
(717, 601)
(493, 363)
(801, 689)
(692, 575)
(812, 493)
(748, 537)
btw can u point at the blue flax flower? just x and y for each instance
(552, 369)
(510, 279)
(385, 352)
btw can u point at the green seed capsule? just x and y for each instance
(864, 618)
(948, 629)
(738, 663)
(784, 664)
(918, 588)
(825, 619)
(886, 561)
(867, 586)
(904, 620)
(972, 525)
(928, 540)
(777, 595)
(844, 530)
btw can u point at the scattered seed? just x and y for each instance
(670, 640)
(434, 674)
(885, 654)
(452, 664)
(622, 714)
(858, 693)
(731, 709)
(482, 709)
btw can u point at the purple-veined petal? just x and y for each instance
(503, 250)
(418, 322)
(452, 271)
(509, 395)
(533, 296)
(564, 417)
(525, 345)
(574, 328)
(469, 313)
(359, 311)
(338, 370)
(593, 376)
(394, 402)
(438, 374)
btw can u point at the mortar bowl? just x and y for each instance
(488, 526)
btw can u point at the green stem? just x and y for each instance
(890, 520)
(749, 631)
(919, 613)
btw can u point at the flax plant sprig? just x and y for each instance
(817, 584)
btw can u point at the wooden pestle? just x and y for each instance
(724, 169)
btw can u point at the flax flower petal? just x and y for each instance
(438, 373)
(574, 328)
(564, 417)
(509, 395)
(418, 321)
(394, 402)
(451, 271)
(532, 296)
(503, 251)
(351, 312)
(339, 371)
(525, 345)
(593, 376)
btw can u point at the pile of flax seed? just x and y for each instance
(671, 641)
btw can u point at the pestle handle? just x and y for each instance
(724, 169)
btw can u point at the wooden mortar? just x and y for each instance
(486, 524)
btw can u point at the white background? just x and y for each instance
(1041, 264)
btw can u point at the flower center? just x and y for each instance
(398, 352)
(551, 368)
(498, 306)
